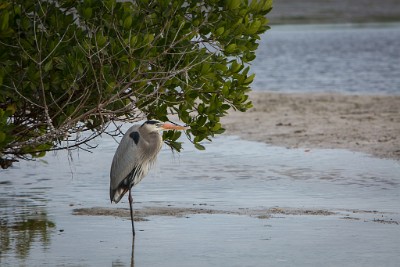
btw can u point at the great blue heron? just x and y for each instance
(135, 154)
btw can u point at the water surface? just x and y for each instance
(344, 58)
(38, 228)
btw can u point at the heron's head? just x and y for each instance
(155, 125)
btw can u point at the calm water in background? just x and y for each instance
(37, 227)
(344, 58)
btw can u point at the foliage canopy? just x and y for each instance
(69, 67)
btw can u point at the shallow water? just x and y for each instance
(38, 229)
(344, 58)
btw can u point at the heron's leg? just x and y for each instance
(130, 206)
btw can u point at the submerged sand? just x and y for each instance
(144, 213)
(364, 123)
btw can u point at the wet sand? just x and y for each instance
(144, 213)
(363, 123)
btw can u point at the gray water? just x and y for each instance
(38, 228)
(344, 58)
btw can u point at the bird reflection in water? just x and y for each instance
(118, 263)
(133, 252)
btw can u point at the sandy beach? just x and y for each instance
(363, 123)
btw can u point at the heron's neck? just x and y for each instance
(152, 142)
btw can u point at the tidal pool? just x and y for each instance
(239, 203)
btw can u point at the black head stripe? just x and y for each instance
(135, 136)
(152, 122)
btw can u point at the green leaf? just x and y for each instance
(225, 106)
(11, 108)
(2, 137)
(48, 66)
(249, 56)
(148, 38)
(176, 145)
(232, 4)
(205, 68)
(4, 20)
(133, 40)
(100, 39)
(216, 127)
(230, 48)
(219, 31)
(254, 27)
(267, 5)
(87, 13)
(128, 22)
(220, 131)
(249, 79)
(4, 5)
(199, 147)
(176, 135)
(201, 121)
(236, 67)
(41, 154)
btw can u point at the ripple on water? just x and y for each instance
(232, 175)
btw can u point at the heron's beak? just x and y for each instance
(171, 126)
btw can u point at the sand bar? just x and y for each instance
(364, 123)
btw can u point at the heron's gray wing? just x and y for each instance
(125, 159)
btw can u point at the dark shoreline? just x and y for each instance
(330, 11)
